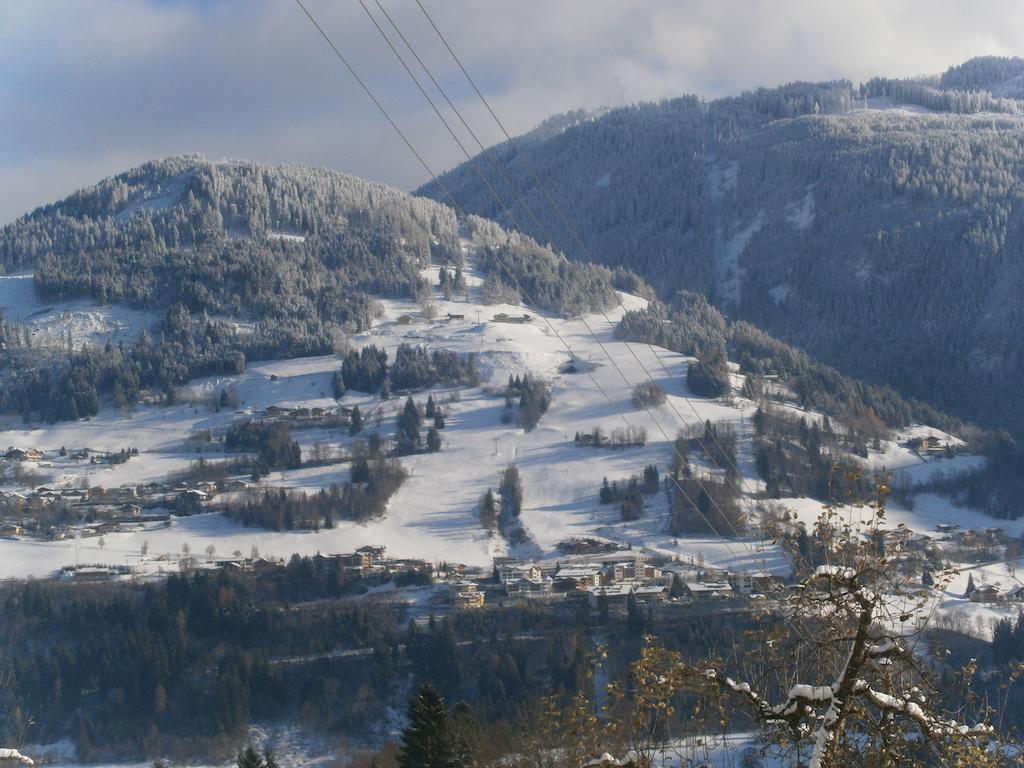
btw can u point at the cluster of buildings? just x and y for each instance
(51, 513)
(606, 577)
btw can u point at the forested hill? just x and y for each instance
(879, 227)
(243, 261)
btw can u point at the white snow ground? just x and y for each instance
(49, 322)
(435, 514)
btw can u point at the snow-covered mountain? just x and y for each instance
(436, 513)
(184, 297)
(876, 226)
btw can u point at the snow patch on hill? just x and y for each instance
(801, 214)
(729, 272)
(88, 322)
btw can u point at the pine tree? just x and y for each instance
(439, 420)
(433, 440)
(356, 424)
(427, 742)
(489, 511)
(407, 435)
(431, 408)
(249, 758)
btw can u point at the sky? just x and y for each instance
(89, 88)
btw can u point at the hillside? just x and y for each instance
(127, 311)
(285, 450)
(876, 227)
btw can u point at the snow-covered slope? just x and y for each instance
(435, 515)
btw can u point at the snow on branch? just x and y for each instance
(14, 756)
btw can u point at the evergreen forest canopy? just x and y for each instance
(884, 241)
(295, 254)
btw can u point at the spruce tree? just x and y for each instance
(356, 424)
(489, 511)
(427, 741)
(433, 440)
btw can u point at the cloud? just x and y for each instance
(87, 89)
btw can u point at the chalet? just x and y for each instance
(301, 414)
(276, 410)
(131, 510)
(529, 587)
(404, 320)
(984, 593)
(10, 530)
(376, 554)
(581, 576)
(452, 316)
(353, 561)
(195, 494)
(503, 317)
(1015, 595)
(926, 444)
(267, 564)
(21, 454)
(317, 412)
(611, 592)
(469, 599)
(708, 590)
(208, 487)
(466, 594)
(509, 572)
(650, 591)
(947, 527)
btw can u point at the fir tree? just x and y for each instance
(427, 742)
(433, 440)
(355, 426)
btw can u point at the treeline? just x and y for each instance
(414, 368)
(795, 458)
(55, 385)
(184, 665)
(630, 493)
(518, 269)
(272, 442)
(374, 479)
(534, 400)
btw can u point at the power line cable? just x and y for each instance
(711, 434)
(509, 271)
(516, 225)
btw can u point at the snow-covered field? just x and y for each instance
(435, 514)
(85, 320)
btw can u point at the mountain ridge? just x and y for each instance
(845, 220)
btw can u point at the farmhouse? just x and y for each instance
(984, 593)
(926, 444)
(22, 454)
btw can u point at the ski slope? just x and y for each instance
(435, 515)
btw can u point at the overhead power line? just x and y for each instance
(510, 272)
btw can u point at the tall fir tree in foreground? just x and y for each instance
(428, 741)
